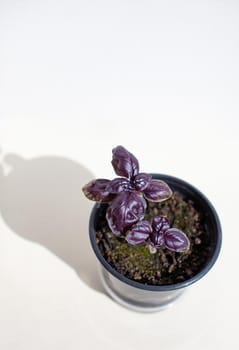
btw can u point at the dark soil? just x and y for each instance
(163, 267)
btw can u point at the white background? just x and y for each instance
(78, 78)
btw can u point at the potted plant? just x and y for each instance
(153, 234)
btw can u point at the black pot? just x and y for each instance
(145, 297)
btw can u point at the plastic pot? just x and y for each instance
(144, 297)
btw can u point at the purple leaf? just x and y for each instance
(124, 163)
(96, 190)
(124, 211)
(157, 239)
(139, 233)
(141, 181)
(176, 240)
(160, 224)
(118, 185)
(157, 191)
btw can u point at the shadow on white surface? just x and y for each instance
(41, 200)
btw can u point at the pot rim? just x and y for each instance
(173, 181)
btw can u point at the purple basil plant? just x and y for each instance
(159, 234)
(128, 196)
